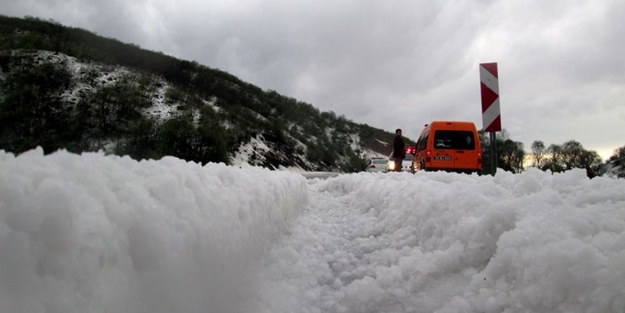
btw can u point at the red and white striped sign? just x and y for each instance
(489, 85)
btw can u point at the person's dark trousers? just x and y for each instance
(398, 162)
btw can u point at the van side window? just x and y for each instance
(422, 143)
(451, 139)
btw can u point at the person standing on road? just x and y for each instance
(399, 150)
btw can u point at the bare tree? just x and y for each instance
(572, 155)
(538, 153)
(554, 161)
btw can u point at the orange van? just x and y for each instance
(448, 146)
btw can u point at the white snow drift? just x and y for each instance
(96, 233)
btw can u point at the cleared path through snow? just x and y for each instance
(339, 258)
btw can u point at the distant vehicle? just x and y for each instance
(406, 162)
(448, 146)
(377, 165)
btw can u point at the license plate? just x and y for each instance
(442, 158)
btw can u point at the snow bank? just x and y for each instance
(97, 233)
(440, 242)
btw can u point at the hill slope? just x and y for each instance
(63, 87)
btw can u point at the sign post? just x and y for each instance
(491, 115)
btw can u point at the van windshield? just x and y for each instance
(454, 139)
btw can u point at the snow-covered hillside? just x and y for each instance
(96, 88)
(96, 233)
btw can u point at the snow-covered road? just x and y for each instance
(330, 246)
(442, 242)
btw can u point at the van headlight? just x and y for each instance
(391, 165)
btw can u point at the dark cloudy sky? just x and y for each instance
(392, 63)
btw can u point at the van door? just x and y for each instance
(466, 154)
(454, 149)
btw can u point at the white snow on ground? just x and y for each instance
(96, 233)
(355, 142)
(382, 142)
(90, 76)
(160, 109)
(438, 242)
(366, 154)
(75, 68)
(242, 156)
(212, 103)
(369, 154)
(87, 75)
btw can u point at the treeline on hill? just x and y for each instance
(556, 158)
(34, 110)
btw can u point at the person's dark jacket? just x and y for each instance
(399, 149)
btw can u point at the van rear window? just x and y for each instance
(454, 139)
